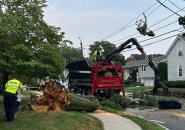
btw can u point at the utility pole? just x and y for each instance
(81, 46)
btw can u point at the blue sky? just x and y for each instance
(93, 20)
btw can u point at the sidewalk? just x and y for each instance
(115, 122)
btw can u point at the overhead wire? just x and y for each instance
(175, 5)
(128, 24)
(155, 36)
(161, 35)
(153, 42)
(143, 18)
(151, 26)
(168, 8)
(159, 28)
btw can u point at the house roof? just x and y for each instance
(174, 42)
(137, 57)
(143, 62)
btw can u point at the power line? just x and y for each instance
(154, 42)
(156, 36)
(144, 18)
(152, 26)
(128, 24)
(175, 5)
(142, 35)
(160, 35)
(159, 28)
(149, 26)
(168, 8)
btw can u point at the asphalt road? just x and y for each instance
(172, 119)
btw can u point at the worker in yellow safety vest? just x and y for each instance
(97, 54)
(10, 98)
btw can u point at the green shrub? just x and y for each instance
(145, 98)
(110, 104)
(116, 102)
(120, 100)
(150, 101)
(174, 84)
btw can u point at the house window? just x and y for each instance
(143, 68)
(180, 71)
(179, 52)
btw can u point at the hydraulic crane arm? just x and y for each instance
(157, 82)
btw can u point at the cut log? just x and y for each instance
(82, 103)
(55, 98)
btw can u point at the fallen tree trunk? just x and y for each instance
(82, 103)
(55, 98)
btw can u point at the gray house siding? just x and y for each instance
(147, 76)
(174, 61)
(147, 73)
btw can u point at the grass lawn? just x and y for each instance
(50, 121)
(135, 89)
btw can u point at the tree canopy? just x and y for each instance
(107, 47)
(133, 75)
(71, 54)
(28, 45)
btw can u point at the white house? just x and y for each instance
(176, 59)
(145, 72)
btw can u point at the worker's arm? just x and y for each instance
(21, 88)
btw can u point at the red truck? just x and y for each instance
(107, 79)
(80, 78)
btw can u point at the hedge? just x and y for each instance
(174, 84)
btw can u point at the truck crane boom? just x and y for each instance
(157, 83)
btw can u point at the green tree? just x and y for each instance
(133, 75)
(162, 67)
(71, 54)
(107, 48)
(28, 45)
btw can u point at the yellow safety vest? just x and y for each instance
(12, 86)
(95, 54)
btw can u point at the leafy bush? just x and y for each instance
(145, 98)
(120, 100)
(150, 101)
(174, 84)
(116, 102)
(110, 104)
